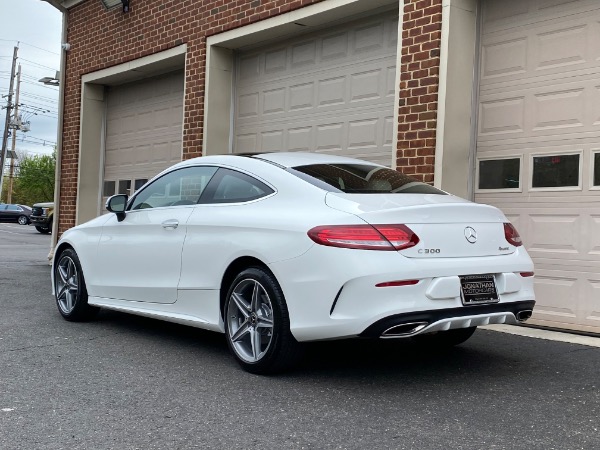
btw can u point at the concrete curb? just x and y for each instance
(548, 335)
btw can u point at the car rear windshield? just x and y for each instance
(362, 179)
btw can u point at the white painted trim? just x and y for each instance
(442, 89)
(136, 64)
(397, 87)
(231, 39)
(473, 181)
(547, 335)
(102, 155)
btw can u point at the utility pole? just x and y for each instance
(14, 139)
(7, 121)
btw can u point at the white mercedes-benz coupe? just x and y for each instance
(277, 249)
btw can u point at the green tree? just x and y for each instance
(35, 181)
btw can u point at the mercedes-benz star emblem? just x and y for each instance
(471, 235)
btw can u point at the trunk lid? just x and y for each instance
(447, 226)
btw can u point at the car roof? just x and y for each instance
(285, 159)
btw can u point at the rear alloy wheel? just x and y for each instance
(23, 220)
(257, 324)
(444, 339)
(70, 290)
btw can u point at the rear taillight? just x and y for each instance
(365, 237)
(512, 235)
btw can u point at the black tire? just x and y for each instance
(281, 351)
(70, 290)
(44, 230)
(444, 339)
(22, 220)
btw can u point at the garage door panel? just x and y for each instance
(318, 91)
(541, 109)
(335, 46)
(503, 58)
(501, 116)
(545, 47)
(332, 91)
(560, 293)
(594, 231)
(558, 234)
(539, 101)
(558, 48)
(357, 134)
(554, 233)
(143, 128)
(499, 16)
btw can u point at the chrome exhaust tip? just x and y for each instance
(403, 330)
(522, 316)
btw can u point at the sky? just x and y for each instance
(36, 28)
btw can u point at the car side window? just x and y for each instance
(13, 208)
(180, 187)
(230, 186)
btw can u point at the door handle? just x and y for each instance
(170, 224)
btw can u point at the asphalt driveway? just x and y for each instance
(124, 382)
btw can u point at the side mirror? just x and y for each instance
(117, 204)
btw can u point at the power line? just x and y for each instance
(39, 97)
(40, 48)
(40, 85)
(37, 138)
(30, 45)
(44, 144)
(38, 64)
(37, 107)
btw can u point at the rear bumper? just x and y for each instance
(331, 292)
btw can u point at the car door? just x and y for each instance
(220, 228)
(139, 257)
(13, 212)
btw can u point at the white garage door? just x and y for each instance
(538, 148)
(143, 131)
(330, 92)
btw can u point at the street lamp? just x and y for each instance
(51, 81)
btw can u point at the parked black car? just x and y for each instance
(15, 213)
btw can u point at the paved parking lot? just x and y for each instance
(124, 382)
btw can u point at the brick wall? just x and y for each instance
(419, 81)
(101, 39)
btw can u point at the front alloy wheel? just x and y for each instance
(69, 288)
(257, 324)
